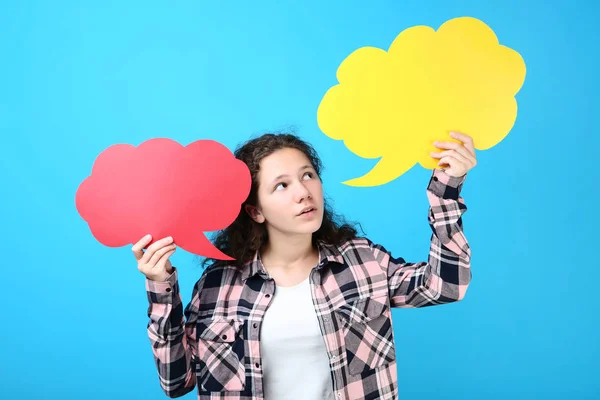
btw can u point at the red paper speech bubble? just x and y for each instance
(165, 189)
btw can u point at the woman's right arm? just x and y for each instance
(172, 338)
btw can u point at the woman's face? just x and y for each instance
(288, 184)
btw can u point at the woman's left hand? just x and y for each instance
(459, 158)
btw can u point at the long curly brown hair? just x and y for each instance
(244, 236)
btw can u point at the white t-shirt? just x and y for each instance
(295, 361)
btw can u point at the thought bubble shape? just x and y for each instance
(393, 105)
(165, 189)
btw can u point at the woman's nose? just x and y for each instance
(303, 192)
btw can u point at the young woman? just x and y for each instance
(304, 311)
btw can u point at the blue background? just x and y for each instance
(77, 78)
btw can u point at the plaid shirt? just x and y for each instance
(217, 347)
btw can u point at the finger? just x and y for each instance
(447, 153)
(453, 153)
(453, 166)
(165, 257)
(155, 246)
(159, 254)
(138, 248)
(448, 160)
(456, 147)
(466, 139)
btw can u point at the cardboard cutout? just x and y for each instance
(165, 189)
(393, 105)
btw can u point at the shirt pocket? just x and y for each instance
(368, 333)
(220, 366)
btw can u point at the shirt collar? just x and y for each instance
(327, 253)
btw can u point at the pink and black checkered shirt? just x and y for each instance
(217, 347)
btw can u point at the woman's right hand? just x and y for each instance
(154, 262)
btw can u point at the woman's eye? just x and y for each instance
(283, 185)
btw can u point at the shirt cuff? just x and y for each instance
(445, 186)
(163, 292)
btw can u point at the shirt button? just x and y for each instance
(325, 319)
(267, 295)
(339, 395)
(257, 365)
(224, 337)
(255, 325)
(168, 289)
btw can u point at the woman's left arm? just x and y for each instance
(444, 278)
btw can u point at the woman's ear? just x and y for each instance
(253, 212)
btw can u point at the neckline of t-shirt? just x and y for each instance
(285, 288)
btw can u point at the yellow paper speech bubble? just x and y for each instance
(393, 105)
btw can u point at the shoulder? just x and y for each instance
(354, 244)
(361, 250)
(217, 273)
